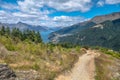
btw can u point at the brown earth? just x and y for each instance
(84, 69)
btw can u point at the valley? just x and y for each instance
(59, 39)
(45, 35)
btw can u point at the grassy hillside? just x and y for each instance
(38, 61)
(107, 65)
(48, 60)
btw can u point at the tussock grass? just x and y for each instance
(106, 67)
(47, 59)
(102, 71)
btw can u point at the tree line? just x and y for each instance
(25, 35)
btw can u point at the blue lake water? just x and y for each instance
(45, 35)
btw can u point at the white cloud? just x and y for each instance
(101, 3)
(7, 17)
(8, 6)
(61, 5)
(70, 5)
(42, 20)
(67, 18)
(27, 6)
(112, 1)
(24, 15)
(60, 21)
(30, 12)
(36, 12)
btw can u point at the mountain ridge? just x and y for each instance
(112, 16)
(102, 18)
(23, 26)
(103, 34)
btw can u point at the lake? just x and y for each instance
(45, 35)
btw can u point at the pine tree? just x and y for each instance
(17, 35)
(3, 30)
(38, 37)
(7, 31)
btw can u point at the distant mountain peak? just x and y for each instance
(23, 26)
(19, 23)
(102, 18)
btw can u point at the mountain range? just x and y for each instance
(101, 31)
(23, 26)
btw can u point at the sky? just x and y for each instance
(54, 13)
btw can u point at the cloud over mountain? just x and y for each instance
(48, 12)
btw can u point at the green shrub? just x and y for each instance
(10, 47)
(36, 67)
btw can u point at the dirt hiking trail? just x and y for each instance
(84, 69)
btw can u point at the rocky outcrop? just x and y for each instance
(27, 75)
(6, 73)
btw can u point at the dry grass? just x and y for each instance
(106, 67)
(47, 60)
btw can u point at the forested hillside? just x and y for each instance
(16, 34)
(92, 33)
(105, 34)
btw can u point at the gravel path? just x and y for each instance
(84, 69)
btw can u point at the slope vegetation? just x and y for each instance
(49, 63)
(101, 31)
(105, 34)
